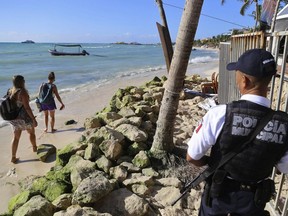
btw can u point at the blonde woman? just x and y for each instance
(25, 120)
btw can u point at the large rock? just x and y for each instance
(126, 112)
(141, 160)
(76, 210)
(138, 178)
(166, 195)
(109, 117)
(91, 190)
(55, 188)
(63, 201)
(39, 185)
(119, 172)
(112, 149)
(94, 122)
(44, 151)
(109, 134)
(18, 200)
(81, 170)
(124, 203)
(92, 152)
(64, 154)
(36, 206)
(132, 132)
(104, 163)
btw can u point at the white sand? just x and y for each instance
(80, 104)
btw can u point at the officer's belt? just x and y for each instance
(235, 185)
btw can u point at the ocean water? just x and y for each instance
(105, 62)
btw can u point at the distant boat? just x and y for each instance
(69, 50)
(28, 41)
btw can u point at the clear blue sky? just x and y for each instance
(108, 20)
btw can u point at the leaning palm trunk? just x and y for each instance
(162, 13)
(163, 139)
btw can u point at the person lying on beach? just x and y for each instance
(47, 91)
(25, 120)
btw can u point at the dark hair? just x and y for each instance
(51, 76)
(18, 81)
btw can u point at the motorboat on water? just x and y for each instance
(68, 50)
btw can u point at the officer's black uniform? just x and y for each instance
(247, 171)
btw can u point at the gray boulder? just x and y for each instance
(36, 206)
(91, 189)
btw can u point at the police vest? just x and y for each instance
(256, 161)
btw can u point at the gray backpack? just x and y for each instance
(46, 94)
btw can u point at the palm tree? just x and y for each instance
(256, 14)
(163, 139)
(246, 5)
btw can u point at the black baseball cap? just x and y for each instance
(256, 63)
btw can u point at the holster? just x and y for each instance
(264, 192)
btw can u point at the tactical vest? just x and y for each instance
(256, 161)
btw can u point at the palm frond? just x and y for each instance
(244, 7)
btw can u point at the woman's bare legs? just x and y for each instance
(46, 120)
(52, 121)
(15, 142)
(32, 138)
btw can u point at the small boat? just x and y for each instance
(28, 41)
(70, 50)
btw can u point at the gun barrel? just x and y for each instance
(180, 197)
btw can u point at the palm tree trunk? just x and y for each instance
(165, 36)
(163, 139)
(162, 13)
(256, 14)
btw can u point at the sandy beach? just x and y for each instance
(80, 104)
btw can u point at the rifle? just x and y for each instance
(196, 181)
(228, 156)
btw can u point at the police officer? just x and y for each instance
(240, 182)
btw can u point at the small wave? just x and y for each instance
(96, 47)
(141, 71)
(203, 59)
(67, 90)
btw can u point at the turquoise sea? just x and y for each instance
(105, 62)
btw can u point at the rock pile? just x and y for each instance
(109, 170)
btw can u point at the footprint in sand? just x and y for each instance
(12, 173)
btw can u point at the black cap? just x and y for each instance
(256, 63)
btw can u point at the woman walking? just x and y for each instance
(47, 91)
(25, 120)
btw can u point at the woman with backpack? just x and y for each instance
(25, 120)
(47, 91)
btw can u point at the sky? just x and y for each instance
(108, 21)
